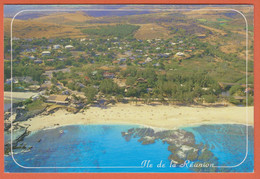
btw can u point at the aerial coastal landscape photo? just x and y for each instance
(128, 88)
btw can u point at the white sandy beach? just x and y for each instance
(160, 116)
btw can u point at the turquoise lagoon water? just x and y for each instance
(101, 148)
(229, 144)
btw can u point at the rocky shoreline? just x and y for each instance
(16, 141)
(181, 145)
(19, 114)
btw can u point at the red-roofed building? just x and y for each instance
(86, 78)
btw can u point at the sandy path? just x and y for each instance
(18, 95)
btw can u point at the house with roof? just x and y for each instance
(179, 54)
(58, 99)
(38, 61)
(66, 92)
(141, 80)
(80, 85)
(115, 62)
(161, 55)
(11, 80)
(128, 53)
(121, 60)
(69, 47)
(46, 53)
(34, 87)
(108, 75)
(50, 60)
(148, 59)
(32, 57)
(56, 47)
(201, 36)
(189, 51)
(141, 63)
(248, 90)
(94, 72)
(36, 96)
(156, 64)
(87, 78)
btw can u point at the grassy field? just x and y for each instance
(65, 18)
(33, 29)
(152, 31)
(119, 30)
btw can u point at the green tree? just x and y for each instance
(90, 93)
(107, 86)
(210, 98)
(130, 81)
(236, 89)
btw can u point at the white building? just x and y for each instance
(32, 57)
(46, 53)
(68, 46)
(56, 46)
(148, 59)
(180, 54)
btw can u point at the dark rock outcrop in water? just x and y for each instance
(181, 145)
(16, 144)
